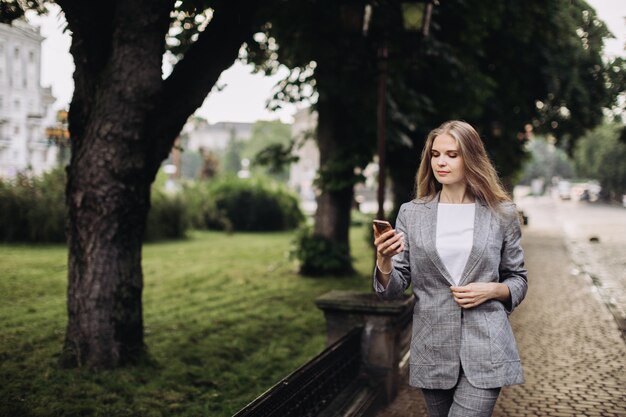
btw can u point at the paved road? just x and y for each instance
(573, 355)
(596, 238)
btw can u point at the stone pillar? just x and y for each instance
(386, 331)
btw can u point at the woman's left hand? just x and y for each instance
(475, 293)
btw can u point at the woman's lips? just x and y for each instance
(442, 172)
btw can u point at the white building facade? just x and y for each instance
(215, 137)
(302, 173)
(25, 106)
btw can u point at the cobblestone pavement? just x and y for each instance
(597, 242)
(573, 356)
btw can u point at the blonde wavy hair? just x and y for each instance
(480, 175)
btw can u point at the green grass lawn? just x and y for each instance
(226, 316)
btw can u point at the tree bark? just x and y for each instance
(108, 191)
(123, 121)
(107, 220)
(332, 217)
(344, 139)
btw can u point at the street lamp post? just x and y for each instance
(355, 16)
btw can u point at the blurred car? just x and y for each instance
(564, 188)
(586, 190)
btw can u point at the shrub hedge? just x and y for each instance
(167, 218)
(319, 256)
(32, 209)
(232, 203)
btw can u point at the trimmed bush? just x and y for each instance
(232, 203)
(201, 209)
(32, 209)
(167, 218)
(319, 256)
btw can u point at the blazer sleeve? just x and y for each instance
(401, 273)
(512, 271)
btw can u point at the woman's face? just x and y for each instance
(446, 160)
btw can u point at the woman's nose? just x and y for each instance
(441, 161)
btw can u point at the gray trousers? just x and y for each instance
(464, 400)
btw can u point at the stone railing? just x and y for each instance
(357, 373)
(386, 333)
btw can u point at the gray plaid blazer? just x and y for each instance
(444, 336)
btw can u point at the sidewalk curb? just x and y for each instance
(596, 283)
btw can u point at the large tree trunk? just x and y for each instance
(107, 218)
(108, 191)
(332, 217)
(123, 121)
(344, 140)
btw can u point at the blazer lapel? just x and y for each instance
(429, 237)
(482, 228)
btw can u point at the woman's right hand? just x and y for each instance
(388, 244)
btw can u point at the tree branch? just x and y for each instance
(91, 27)
(196, 74)
(91, 24)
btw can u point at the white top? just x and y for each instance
(455, 236)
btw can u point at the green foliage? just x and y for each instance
(270, 149)
(470, 68)
(167, 218)
(266, 133)
(338, 173)
(225, 318)
(256, 204)
(601, 155)
(232, 203)
(202, 211)
(32, 209)
(276, 157)
(341, 81)
(319, 256)
(546, 161)
(617, 85)
(361, 219)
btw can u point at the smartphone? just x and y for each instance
(382, 225)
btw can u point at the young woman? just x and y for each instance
(458, 245)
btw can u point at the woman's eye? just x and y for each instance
(434, 154)
(452, 155)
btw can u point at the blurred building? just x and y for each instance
(303, 172)
(25, 106)
(199, 134)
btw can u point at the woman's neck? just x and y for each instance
(458, 194)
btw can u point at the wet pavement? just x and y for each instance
(573, 355)
(595, 235)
